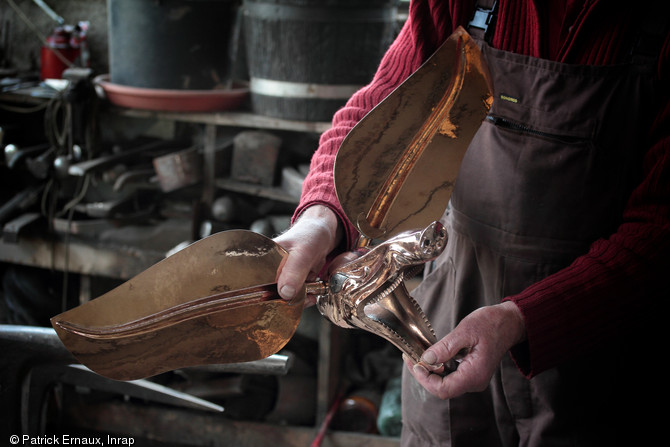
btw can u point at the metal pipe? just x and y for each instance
(276, 364)
(50, 12)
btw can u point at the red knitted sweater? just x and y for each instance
(591, 301)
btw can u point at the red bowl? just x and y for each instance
(170, 100)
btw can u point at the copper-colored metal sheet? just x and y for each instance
(202, 305)
(396, 169)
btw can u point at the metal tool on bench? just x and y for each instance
(15, 154)
(216, 300)
(35, 360)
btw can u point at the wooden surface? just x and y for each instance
(170, 426)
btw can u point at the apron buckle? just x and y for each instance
(483, 18)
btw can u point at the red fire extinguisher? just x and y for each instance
(59, 53)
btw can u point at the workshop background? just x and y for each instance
(154, 124)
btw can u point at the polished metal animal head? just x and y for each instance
(369, 292)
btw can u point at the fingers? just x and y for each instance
(478, 344)
(294, 272)
(308, 242)
(456, 351)
(435, 383)
(447, 386)
(452, 347)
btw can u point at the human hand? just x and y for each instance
(477, 344)
(311, 238)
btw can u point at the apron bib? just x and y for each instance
(548, 173)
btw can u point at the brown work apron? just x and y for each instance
(548, 173)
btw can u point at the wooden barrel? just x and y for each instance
(307, 57)
(169, 44)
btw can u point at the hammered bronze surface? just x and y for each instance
(205, 304)
(396, 169)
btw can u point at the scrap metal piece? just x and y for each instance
(12, 229)
(97, 164)
(276, 365)
(14, 154)
(35, 360)
(22, 201)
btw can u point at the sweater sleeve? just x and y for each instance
(613, 290)
(400, 60)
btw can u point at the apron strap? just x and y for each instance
(483, 20)
(647, 47)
